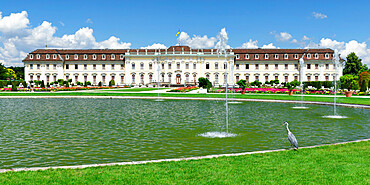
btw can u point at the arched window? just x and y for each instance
(112, 56)
(133, 65)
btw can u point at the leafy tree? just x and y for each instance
(19, 72)
(60, 81)
(69, 80)
(42, 84)
(242, 84)
(349, 82)
(256, 83)
(88, 83)
(205, 83)
(364, 81)
(111, 83)
(353, 65)
(3, 72)
(99, 84)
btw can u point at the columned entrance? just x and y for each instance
(178, 79)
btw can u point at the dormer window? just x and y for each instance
(246, 56)
(38, 56)
(103, 56)
(276, 56)
(296, 56)
(67, 57)
(256, 56)
(308, 55)
(85, 56)
(266, 56)
(285, 56)
(316, 55)
(31, 56)
(47, 56)
(121, 56)
(237, 56)
(112, 56)
(55, 56)
(76, 56)
(94, 56)
(327, 55)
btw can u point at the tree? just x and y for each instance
(3, 72)
(353, 65)
(364, 81)
(242, 84)
(349, 82)
(205, 83)
(111, 83)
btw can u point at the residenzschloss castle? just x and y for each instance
(178, 65)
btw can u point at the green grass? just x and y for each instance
(133, 89)
(340, 99)
(336, 164)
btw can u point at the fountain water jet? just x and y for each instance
(158, 61)
(301, 66)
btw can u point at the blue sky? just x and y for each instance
(135, 24)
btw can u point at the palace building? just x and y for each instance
(178, 65)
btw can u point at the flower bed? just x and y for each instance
(184, 89)
(63, 88)
(254, 90)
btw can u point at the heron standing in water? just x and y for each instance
(291, 137)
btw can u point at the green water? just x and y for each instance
(56, 132)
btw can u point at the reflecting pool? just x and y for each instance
(58, 132)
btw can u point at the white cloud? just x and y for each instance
(361, 49)
(24, 39)
(305, 38)
(89, 21)
(250, 44)
(269, 46)
(155, 46)
(319, 15)
(61, 23)
(283, 36)
(196, 41)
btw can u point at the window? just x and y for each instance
(316, 55)
(38, 56)
(266, 78)
(103, 66)
(285, 56)
(121, 56)
(187, 78)
(316, 78)
(207, 66)
(308, 55)
(47, 79)
(266, 66)
(237, 56)
(103, 56)
(225, 65)
(67, 66)
(237, 66)
(38, 77)
(309, 78)
(247, 78)
(55, 56)
(38, 66)
(122, 66)
(67, 57)
(316, 66)
(326, 55)
(103, 79)
(276, 66)
(76, 78)
(296, 56)
(31, 56)
(194, 65)
(256, 56)
(85, 66)
(133, 65)
(286, 66)
(295, 66)
(142, 66)
(187, 66)
(256, 66)
(246, 56)
(112, 56)
(85, 79)
(150, 66)
(94, 66)
(178, 65)
(94, 79)
(276, 77)
(266, 56)
(94, 56)
(142, 79)
(207, 76)
(326, 78)
(276, 56)
(257, 79)
(246, 66)
(76, 66)
(85, 56)
(76, 56)
(326, 66)
(225, 77)
(163, 66)
(47, 56)
(47, 66)
(308, 66)
(237, 78)
(296, 78)
(216, 65)
(169, 65)
(286, 78)
(133, 78)
(150, 78)
(54, 66)
(122, 79)
(216, 78)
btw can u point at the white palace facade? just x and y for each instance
(178, 65)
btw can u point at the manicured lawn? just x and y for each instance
(340, 99)
(336, 164)
(133, 89)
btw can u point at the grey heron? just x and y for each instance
(291, 137)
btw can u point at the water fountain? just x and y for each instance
(301, 71)
(335, 66)
(159, 68)
(221, 47)
(233, 85)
